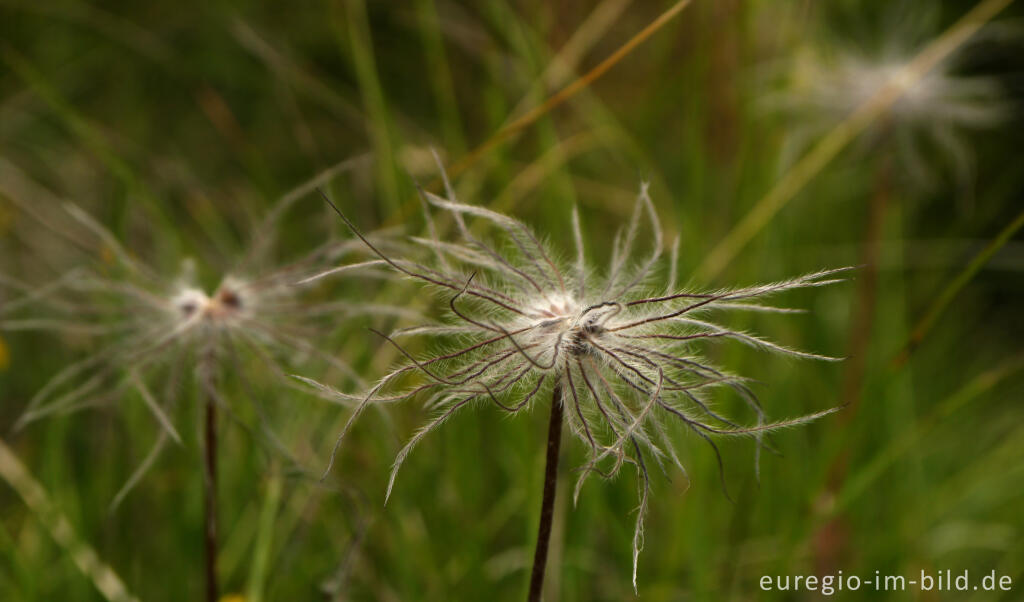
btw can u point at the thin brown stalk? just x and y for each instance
(831, 540)
(547, 507)
(864, 314)
(210, 480)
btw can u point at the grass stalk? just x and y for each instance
(92, 137)
(264, 538)
(374, 102)
(441, 81)
(569, 91)
(107, 582)
(870, 472)
(946, 296)
(555, 100)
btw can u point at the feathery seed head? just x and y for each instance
(617, 350)
(939, 97)
(148, 334)
(935, 110)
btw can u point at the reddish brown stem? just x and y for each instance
(832, 538)
(210, 490)
(864, 313)
(547, 507)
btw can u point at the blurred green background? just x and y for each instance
(177, 127)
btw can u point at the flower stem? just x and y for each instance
(547, 507)
(863, 319)
(210, 489)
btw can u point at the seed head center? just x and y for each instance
(226, 303)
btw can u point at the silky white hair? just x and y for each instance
(617, 347)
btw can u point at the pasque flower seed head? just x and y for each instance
(618, 347)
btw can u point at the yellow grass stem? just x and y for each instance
(531, 116)
(60, 528)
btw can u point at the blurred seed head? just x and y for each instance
(928, 129)
(146, 335)
(838, 85)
